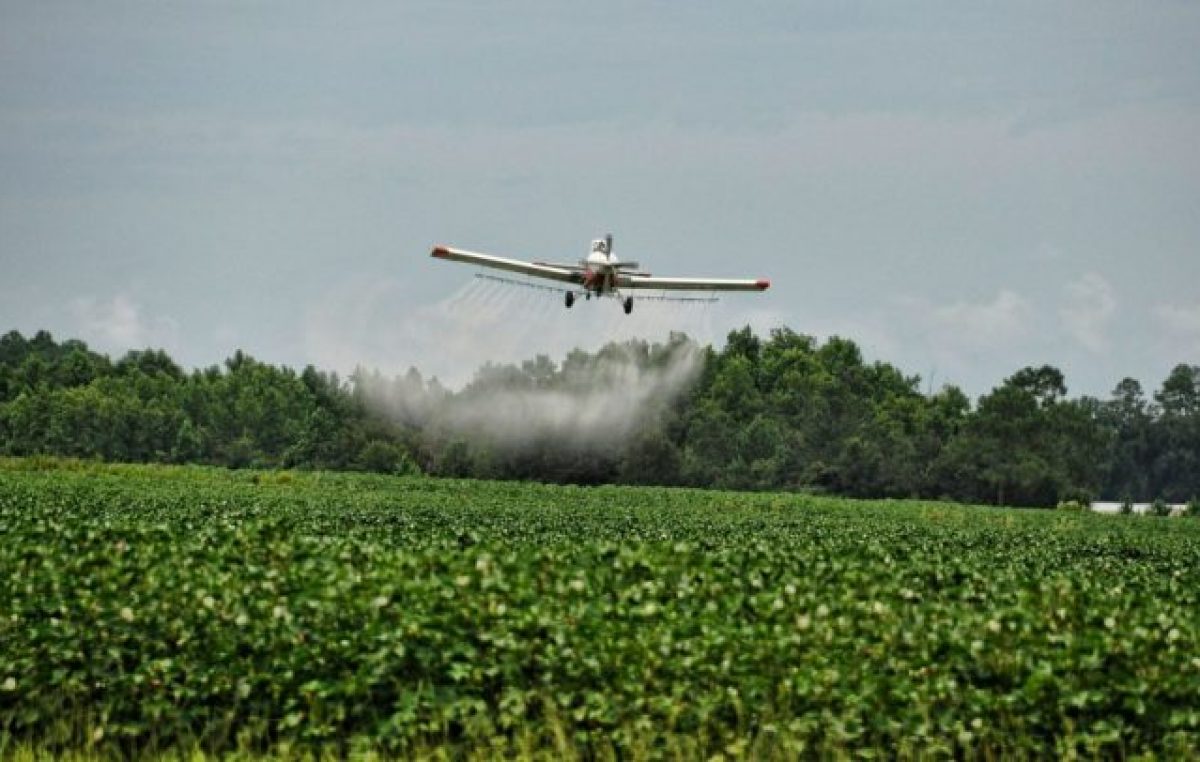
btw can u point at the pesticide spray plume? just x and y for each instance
(596, 405)
(588, 403)
(460, 368)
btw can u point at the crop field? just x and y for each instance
(168, 610)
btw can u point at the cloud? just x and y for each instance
(973, 326)
(1181, 326)
(961, 341)
(1087, 309)
(119, 324)
(977, 150)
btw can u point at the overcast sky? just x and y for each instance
(962, 188)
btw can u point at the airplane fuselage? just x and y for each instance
(598, 277)
(600, 268)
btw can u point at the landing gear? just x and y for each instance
(628, 304)
(570, 300)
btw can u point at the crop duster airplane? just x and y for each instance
(599, 274)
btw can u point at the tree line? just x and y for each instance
(778, 412)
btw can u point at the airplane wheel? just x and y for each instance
(628, 305)
(570, 299)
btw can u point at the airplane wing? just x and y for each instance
(692, 284)
(553, 272)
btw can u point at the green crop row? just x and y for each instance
(155, 608)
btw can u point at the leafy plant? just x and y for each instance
(149, 610)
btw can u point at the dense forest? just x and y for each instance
(784, 412)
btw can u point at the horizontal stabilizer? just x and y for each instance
(559, 290)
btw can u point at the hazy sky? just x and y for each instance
(962, 188)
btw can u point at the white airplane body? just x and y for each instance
(599, 274)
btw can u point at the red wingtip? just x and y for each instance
(440, 251)
(763, 283)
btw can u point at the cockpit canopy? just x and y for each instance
(600, 245)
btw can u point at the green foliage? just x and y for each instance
(1160, 508)
(151, 608)
(385, 458)
(651, 458)
(63, 399)
(781, 412)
